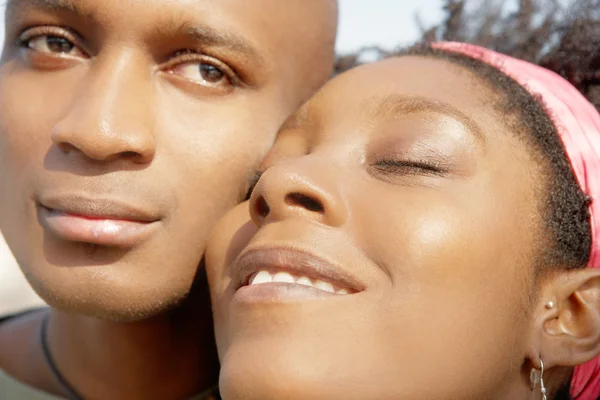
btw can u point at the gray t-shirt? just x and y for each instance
(10, 388)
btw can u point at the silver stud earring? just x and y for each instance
(550, 305)
(537, 377)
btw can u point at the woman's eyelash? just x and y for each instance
(410, 167)
(253, 183)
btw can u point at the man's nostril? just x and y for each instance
(304, 201)
(262, 208)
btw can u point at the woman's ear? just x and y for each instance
(568, 317)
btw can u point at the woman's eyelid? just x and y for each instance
(401, 162)
(411, 166)
(425, 159)
(418, 154)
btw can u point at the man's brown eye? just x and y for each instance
(211, 74)
(52, 44)
(203, 73)
(59, 45)
(203, 69)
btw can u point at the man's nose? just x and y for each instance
(112, 113)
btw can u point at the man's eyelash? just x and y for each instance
(253, 183)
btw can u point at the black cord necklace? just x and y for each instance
(211, 394)
(64, 384)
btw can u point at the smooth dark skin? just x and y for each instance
(120, 109)
(417, 188)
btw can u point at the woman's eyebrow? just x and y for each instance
(395, 106)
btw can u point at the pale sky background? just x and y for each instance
(387, 23)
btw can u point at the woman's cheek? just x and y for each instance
(228, 239)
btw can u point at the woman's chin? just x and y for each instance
(273, 377)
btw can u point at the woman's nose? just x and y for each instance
(298, 189)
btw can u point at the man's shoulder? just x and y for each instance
(12, 326)
(8, 317)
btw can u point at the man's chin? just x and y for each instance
(120, 305)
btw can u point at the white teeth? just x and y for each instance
(261, 277)
(283, 277)
(325, 286)
(304, 281)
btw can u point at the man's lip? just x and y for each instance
(103, 222)
(292, 260)
(95, 208)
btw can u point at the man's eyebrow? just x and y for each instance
(397, 105)
(50, 5)
(209, 36)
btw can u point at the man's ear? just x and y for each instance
(568, 317)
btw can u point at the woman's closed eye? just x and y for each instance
(409, 167)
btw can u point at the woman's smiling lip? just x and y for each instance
(106, 222)
(285, 273)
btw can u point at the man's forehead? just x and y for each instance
(56, 5)
(291, 41)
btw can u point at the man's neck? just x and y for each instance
(167, 357)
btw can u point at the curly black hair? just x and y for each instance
(545, 33)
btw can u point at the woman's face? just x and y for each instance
(127, 128)
(401, 189)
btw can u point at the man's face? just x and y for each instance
(127, 128)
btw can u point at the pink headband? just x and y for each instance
(578, 124)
